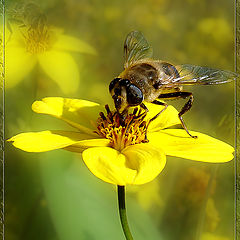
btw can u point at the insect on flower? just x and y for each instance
(149, 80)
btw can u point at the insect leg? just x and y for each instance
(158, 103)
(144, 107)
(184, 109)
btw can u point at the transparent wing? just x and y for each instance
(136, 47)
(190, 74)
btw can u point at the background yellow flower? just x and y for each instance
(39, 43)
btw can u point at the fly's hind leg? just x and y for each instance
(187, 106)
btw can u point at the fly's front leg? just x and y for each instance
(187, 106)
(157, 103)
(144, 107)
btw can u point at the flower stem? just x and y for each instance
(122, 212)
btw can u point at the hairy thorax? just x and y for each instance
(148, 76)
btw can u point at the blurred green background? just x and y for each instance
(52, 195)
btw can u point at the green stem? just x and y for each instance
(122, 212)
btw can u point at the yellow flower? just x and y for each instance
(114, 149)
(49, 48)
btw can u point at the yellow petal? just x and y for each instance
(46, 140)
(176, 142)
(65, 42)
(62, 68)
(78, 113)
(137, 164)
(147, 160)
(168, 118)
(109, 165)
(18, 64)
(85, 144)
(14, 36)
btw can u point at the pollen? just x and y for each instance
(38, 39)
(122, 130)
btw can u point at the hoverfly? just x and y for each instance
(149, 80)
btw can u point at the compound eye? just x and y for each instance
(124, 82)
(134, 95)
(117, 91)
(113, 83)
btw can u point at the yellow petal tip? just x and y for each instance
(36, 106)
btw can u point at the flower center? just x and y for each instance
(38, 39)
(122, 131)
